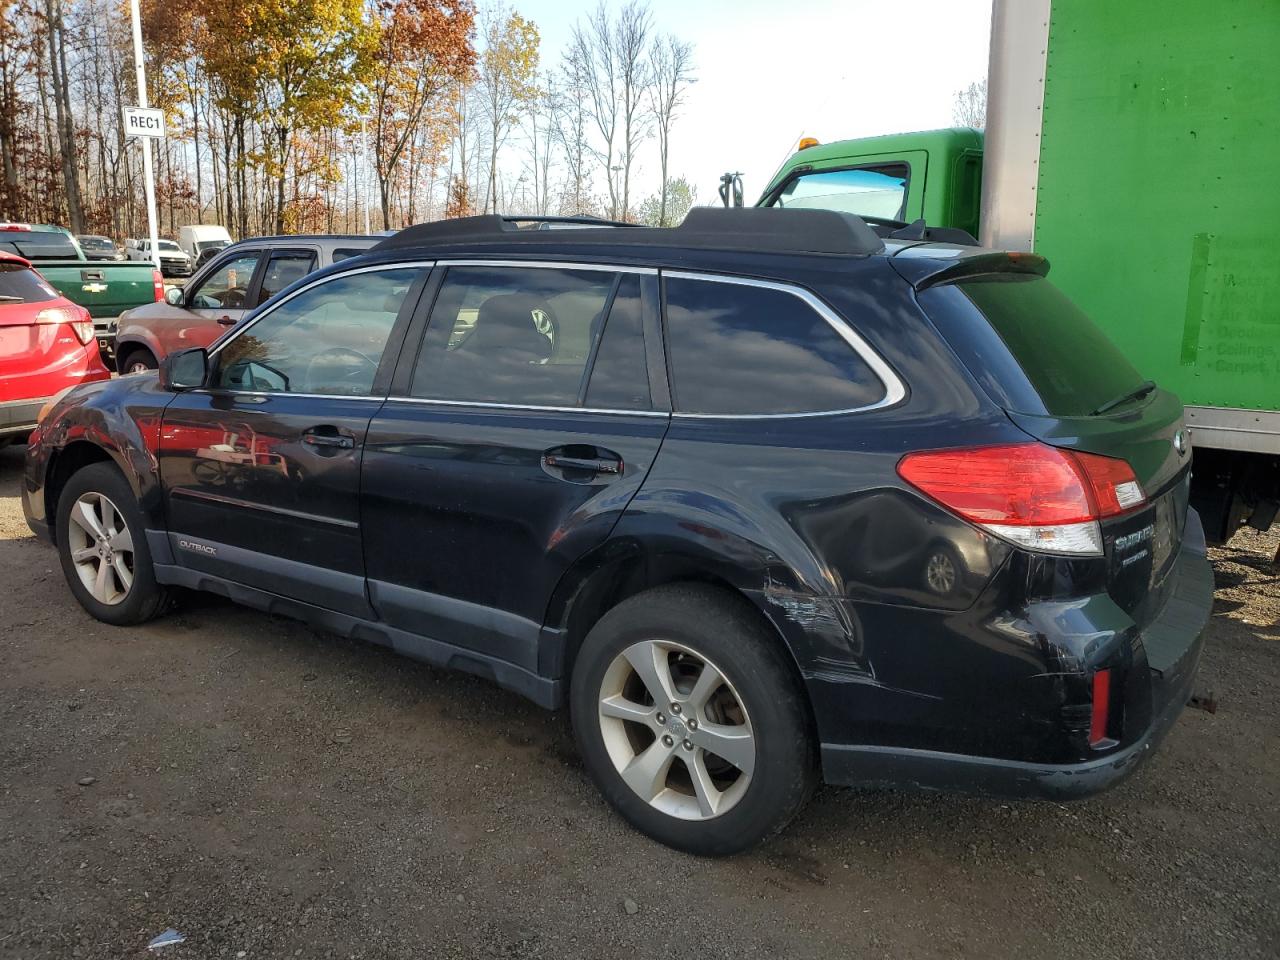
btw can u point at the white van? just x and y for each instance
(198, 238)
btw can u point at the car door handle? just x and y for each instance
(333, 441)
(227, 321)
(594, 464)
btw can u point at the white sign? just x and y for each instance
(143, 122)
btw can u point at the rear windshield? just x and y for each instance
(1068, 367)
(19, 284)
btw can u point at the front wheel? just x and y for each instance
(139, 361)
(691, 720)
(102, 546)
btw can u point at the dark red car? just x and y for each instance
(46, 345)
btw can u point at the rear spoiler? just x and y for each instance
(925, 268)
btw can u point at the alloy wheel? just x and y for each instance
(676, 730)
(101, 548)
(940, 573)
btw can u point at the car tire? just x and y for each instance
(658, 767)
(99, 525)
(137, 361)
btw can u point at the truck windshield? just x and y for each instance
(867, 191)
(19, 284)
(204, 245)
(168, 245)
(1054, 359)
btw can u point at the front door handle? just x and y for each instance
(329, 439)
(227, 321)
(594, 464)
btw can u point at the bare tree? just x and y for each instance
(631, 42)
(970, 108)
(671, 66)
(590, 63)
(610, 58)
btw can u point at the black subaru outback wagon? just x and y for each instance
(764, 498)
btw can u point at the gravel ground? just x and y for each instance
(270, 791)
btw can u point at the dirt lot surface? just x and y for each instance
(270, 791)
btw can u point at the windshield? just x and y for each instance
(1068, 366)
(867, 191)
(204, 245)
(19, 284)
(96, 243)
(169, 246)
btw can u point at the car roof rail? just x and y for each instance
(763, 229)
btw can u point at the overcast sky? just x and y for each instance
(771, 71)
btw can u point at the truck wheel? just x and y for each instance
(692, 721)
(137, 361)
(102, 545)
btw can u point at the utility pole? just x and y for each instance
(148, 173)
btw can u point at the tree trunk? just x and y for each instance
(62, 107)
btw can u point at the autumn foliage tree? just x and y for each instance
(297, 62)
(422, 51)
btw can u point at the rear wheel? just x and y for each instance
(103, 549)
(137, 361)
(691, 721)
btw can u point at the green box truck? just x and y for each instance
(1136, 146)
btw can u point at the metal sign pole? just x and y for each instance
(148, 173)
(364, 171)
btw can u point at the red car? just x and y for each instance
(46, 345)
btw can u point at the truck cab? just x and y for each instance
(935, 175)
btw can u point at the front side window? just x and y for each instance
(328, 339)
(740, 349)
(284, 267)
(516, 335)
(227, 288)
(867, 191)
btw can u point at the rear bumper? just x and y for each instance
(19, 416)
(1172, 643)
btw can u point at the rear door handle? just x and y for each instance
(557, 461)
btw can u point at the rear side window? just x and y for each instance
(744, 349)
(619, 378)
(19, 284)
(1071, 365)
(284, 267)
(513, 335)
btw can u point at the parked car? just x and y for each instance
(46, 346)
(104, 289)
(173, 261)
(99, 248)
(647, 474)
(243, 276)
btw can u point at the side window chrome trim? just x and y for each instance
(381, 267)
(552, 265)
(894, 388)
(488, 405)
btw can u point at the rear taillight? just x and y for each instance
(1099, 716)
(157, 281)
(77, 318)
(1037, 496)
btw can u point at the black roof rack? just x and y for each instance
(744, 228)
